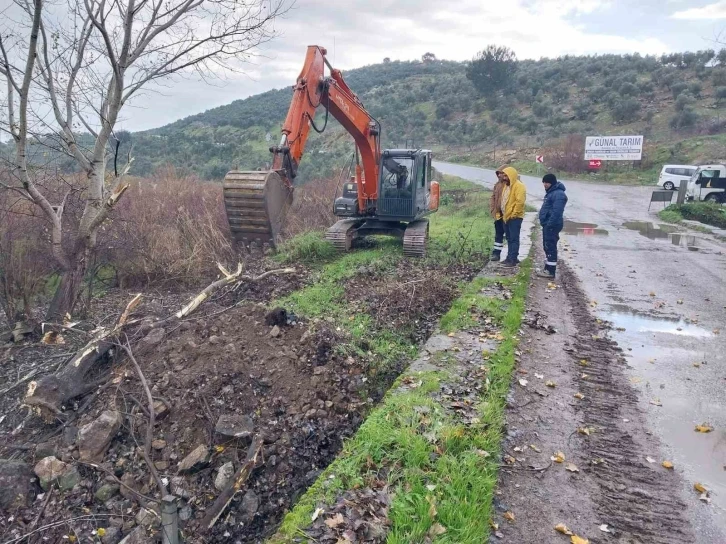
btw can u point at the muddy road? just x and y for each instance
(664, 291)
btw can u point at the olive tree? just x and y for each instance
(69, 71)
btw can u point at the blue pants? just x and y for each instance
(498, 237)
(512, 229)
(550, 237)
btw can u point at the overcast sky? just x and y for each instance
(361, 32)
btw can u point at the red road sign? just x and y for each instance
(539, 159)
(595, 163)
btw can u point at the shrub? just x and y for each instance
(583, 109)
(168, 230)
(686, 118)
(695, 89)
(678, 88)
(628, 89)
(684, 100)
(625, 110)
(720, 93)
(719, 76)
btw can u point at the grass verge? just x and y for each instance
(709, 213)
(442, 471)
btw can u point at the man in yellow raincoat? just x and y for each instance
(514, 195)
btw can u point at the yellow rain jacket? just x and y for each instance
(514, 208)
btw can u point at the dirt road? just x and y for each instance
(663, 291)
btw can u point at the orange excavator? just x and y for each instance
(391, 192)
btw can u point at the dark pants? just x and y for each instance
(511, 231)
(498, 238)
(550, 237)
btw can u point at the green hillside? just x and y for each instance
(677, 101)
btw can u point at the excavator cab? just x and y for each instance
(405, 184)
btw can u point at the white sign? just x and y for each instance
(539, 159)
(614, 148)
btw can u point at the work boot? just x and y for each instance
(545, 274)
(509, 264)
(496, 255)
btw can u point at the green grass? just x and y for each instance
(709, 213)
(431, 459)
(309, 247)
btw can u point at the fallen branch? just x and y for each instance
(19, 382)
(152, 422)
(229, 278)
(240, 477)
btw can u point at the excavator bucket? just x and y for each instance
(256, 204)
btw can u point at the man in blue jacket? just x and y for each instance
(551, 218)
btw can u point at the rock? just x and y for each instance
(128, 480)
(235, 426)
(158, 444)
(137, 536)
(153, 338)
(179, 487)
(16, 484)
(106, 491)
(70, 435)
(161, 465)
(196, 460)
(275, 332)
(95, 438)
(161, 410)
(310, 414)
(147, 518)
(185, 512)
(224, 476)
(318, 370)
(111, 536)
(214, 340)
(250, 505)
(52, 470)
(47, 449)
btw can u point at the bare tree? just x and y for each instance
(70, 71)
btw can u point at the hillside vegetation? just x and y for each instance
(678, 101)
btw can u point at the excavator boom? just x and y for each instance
(256, 202)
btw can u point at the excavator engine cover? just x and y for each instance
(256, 204)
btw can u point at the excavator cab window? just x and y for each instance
(396, 177)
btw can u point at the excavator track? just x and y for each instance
(416, 237)
(256, 203)
(342, 233)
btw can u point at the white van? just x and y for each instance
(671, 175)
(708, 183)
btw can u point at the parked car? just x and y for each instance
(671, 175)
(708, 183)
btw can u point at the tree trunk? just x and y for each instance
(69, 288)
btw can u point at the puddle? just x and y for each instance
(583, 229)
(633, 322)
(665, 233)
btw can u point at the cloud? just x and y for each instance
(717, 10)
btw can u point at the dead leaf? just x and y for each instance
(584, 430)
(335, 521)
(679, 301)
(436, 529)
(535, 448)
(493, 525)
(483, 453)
(585, 376)
(652, 293)
(432, 506)
(667, 464)
(539, 376)
(317, 513)
(583, 362)
(697, 365)
(579, 396)
(550, 383)
(571, 467)
(558, 457)
(704, 428)
(604, 528)
(562, 528)
(509, 459)
(523, 382)
(53, 338)
(509, 516)
(451, 335)
(650, 459)
(101, 531)
(574, 539)
(656, 402)
(699, 487)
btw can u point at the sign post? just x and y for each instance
(614, 148)
(539, 159)
(595, 164)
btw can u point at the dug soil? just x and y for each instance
(302, 386)
(577, 453)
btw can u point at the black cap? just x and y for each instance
(549, 178)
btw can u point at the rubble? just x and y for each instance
(16, 484)
(235, 426)
(52, 470)
(95, 437)
(224, 476)
(194, 461)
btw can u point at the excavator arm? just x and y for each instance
(256, 202)
(314, 90)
